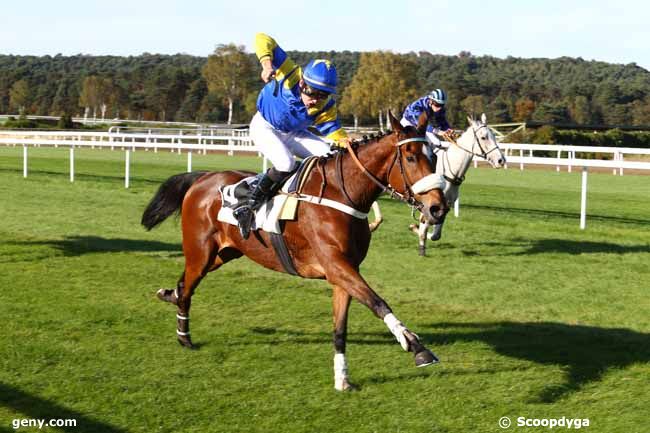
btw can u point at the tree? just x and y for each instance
(384, 81)
(189, 109)
(580, 110)
(65, 98)
(641, 112)
(524, 108)
(227, 73)
(551, 113)
(19, 96)
(96, 94)
(499, 110)
(474, 105)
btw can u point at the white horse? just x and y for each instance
(453, 161)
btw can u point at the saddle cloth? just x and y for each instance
(284, 206)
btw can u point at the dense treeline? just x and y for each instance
(183, 88)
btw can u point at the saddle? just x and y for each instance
(283, 206)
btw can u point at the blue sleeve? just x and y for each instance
(413, 111)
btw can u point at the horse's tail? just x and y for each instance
(169, 198)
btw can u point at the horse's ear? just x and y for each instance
(423, 120)
(470, 121)
(394, 123)
(484, 119)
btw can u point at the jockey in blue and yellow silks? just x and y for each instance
(293, 100)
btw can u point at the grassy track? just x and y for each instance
(530, 316)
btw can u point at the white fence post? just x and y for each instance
(24, 161)
(457, 207)
(71, 163)
(583, 200)
(127, 168)
(620, 158)
(189, 161)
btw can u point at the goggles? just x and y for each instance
(314, 93)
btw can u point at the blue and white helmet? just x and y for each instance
(438, 96)
(320, 74)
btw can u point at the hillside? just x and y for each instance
(170, 87)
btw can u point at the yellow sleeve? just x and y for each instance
(264, 45)
(267, 47)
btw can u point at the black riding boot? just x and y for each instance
(245, 213)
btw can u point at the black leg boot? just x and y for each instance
(245, 214)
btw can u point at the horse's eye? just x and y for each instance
(410, 158)
(485, 137)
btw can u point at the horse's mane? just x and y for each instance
(364, 141)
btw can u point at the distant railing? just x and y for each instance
(237, 140)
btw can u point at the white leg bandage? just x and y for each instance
(397, 328)
(340, 371)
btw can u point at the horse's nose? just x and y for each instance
(501, 161)
(437, 213)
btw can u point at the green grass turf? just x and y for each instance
(530, 315)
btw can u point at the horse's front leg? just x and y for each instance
(340, 306)
(378, 218)
(340, 272)
(436, 234)
(422, 237)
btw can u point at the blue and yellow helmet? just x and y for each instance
(320, 74)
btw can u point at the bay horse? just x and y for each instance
(323, 242)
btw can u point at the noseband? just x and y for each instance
(407, 196)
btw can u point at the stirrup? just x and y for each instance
(244, 215)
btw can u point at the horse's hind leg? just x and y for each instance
(171, 295)
(199, 257)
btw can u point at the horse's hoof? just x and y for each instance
(167, 295)
(187, 343)
(424, 358)
(345, 386)
(422, 251)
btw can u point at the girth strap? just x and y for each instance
(282, 252)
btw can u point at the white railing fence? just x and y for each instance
(237, 140)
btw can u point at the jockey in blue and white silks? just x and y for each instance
(434, 105)
(293, 100)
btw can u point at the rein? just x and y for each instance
(408, 197)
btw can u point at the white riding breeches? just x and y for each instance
(433, 140)
(431, 137)
(281, 147)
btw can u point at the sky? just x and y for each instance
(610, 31)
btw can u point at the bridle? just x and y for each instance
(408, 196)
(455, 178)
(475, 142)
